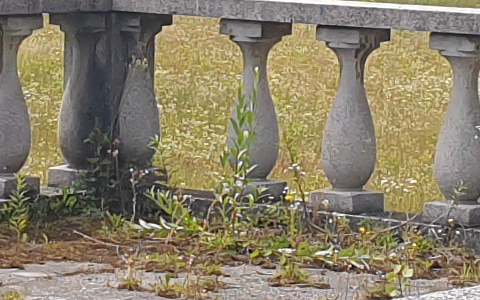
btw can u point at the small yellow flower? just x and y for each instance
(289, 198)
(362, 230)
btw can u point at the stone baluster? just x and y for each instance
(84, 97)
(457, 156)
(139, 120)
(15, 132)
(255, 40)
(107, 84)
(349, 143)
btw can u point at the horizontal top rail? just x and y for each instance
(323, 12)
(28, 7)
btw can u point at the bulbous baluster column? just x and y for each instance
(138, 116)
(15, 131)
(109, 77)
(457, 156)
(349, 143)
(255, 40)
(83, 105)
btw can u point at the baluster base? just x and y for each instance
(349, 202)
(274, 189)
(8, 184)
(152, 177)
(64, 176)
(439, 212)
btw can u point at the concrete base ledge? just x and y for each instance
(467, 237)
(201, 204)
(321, 12)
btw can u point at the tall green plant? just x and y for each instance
(16, 211)
(231, 190)
(102, 181)
(238, 146)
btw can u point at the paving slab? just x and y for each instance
(65, 280)
(468, 293)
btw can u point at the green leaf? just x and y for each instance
(283, 260)
(391, 277)
(347, 252)
(242, 153)
(407, 272)
(251, 118)
(234, 124)
(397, 268)
(379, 256)
(93, 160)
(255, 253)
(392, 291)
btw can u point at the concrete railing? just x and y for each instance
(101, 37)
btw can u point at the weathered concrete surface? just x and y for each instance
(100, 93)
(15, 131)
(8, 184)
(273, 189)
(349, 150)
(138, 116)
(16, 7)
(93, 281)
(457, 155)
(86, 102)
(63, 176)
(324, 12)
(440, 211)
(468, 293)
(353, 202)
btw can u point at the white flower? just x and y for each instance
(286, 250)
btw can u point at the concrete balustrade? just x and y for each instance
(109, 68)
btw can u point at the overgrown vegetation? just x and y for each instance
(122, 209)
